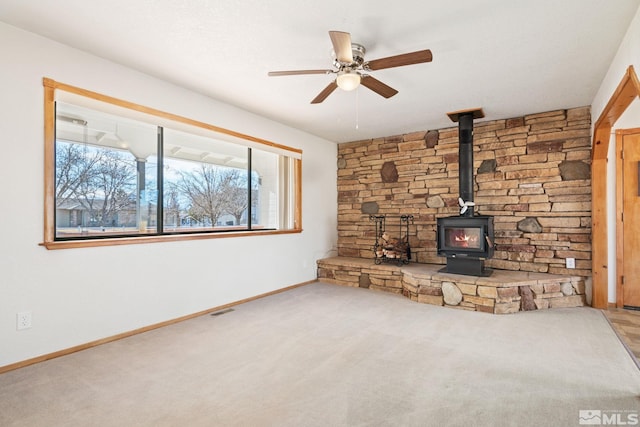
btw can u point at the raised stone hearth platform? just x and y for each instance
(502, 292)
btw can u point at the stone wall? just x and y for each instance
(532, 173)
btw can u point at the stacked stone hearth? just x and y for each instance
(503, 292)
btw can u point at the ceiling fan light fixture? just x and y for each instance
(348, 80)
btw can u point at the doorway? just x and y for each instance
(627, 91)
(628, 189)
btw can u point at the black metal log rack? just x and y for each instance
(389, 246)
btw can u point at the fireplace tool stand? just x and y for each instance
(390, 248)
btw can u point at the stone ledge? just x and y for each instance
(502, 292)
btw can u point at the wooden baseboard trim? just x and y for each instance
(96, 343)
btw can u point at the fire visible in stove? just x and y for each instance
(463, 237)
(468, 237)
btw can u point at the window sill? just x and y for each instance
(89, 243)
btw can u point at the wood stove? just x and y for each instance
(466, 240)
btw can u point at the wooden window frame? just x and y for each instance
(50, 87)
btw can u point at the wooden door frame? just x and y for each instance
(626, 92)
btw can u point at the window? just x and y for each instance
(117, 172)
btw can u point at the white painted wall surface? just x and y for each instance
(81, 295)
(628, 54)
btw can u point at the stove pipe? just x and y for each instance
(465, 160)
(465, 156)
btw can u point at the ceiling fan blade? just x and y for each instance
(377, 86)
(342, 46)
(400, 60)
(325, 92)
(298, 72)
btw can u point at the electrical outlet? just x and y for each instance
(23, 320)
(570, 262)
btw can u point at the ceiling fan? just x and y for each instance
(352, 70)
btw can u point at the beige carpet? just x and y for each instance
(324, 355)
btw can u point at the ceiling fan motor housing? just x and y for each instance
(358, 52)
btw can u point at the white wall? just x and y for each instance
(80, 295)
(628, 54)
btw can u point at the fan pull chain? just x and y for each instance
(357, 106)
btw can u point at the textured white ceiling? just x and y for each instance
(511, 57)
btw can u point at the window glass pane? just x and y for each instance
(205, 183)
(286, 192)
(266, 180)
(104, 171)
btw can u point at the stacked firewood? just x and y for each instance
(391, 247)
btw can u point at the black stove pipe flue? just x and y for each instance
(465, 155)
(465, 160)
